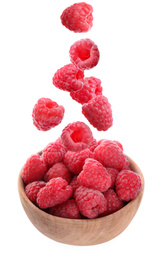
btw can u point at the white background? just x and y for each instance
(33, 45)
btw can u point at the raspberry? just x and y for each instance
(74, 183)
(68, 209)
(113, 174)
(116, 142)
(128, 185)
(53, 152)
(33, 188)
(47, 114)
(91, 87)
(91, 203)
(113, 202)
(78, 17)
(84, 54)
(55, 192)
(110, 155)
(94, 176)
(93, 145)
(65, 78)
(34, 169)
(76, 136)
(98, 112)
(75, 160)
(58, 170)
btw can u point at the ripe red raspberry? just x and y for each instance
(78, 17)
(98, 112)
(75, 160)
(94, 176)
(84, 54)
(113, 202)
(90, 88)
(65, 78)
(76, 136)
(58, 170)
(113, 174)
(34, 169)
(93, 145)
(74, 183)
(128, 185)
(110, 155)
(68, 209)
(47, 114)
(91, 203)
(55, 192)
(116, 142)
(53, 152)
(33, 188)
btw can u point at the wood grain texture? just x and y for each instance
(82, 231)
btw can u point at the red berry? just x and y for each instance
(74, 183)
(91, 203)
(113, 202)
(34, 169)
(33, 188)
(47, 114)
(58, 170)
(53, 152)
(90, 88)
(94, 176)
(76, 136)
(113, 174)
(68, 209)
(128, 185)
(75, 160)
(84, 54)
(65, 78)
(55, 192)
(93, 145)
(98, 112)
(111, 155)
(78, 17)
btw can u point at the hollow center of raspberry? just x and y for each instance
(76, 136)
(84, 54)
(51, 105)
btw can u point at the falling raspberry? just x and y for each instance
(76, 136)
(90, 88)
(84, 54)
(66, 78)
(98, 112)
(78, 17)
(47, 114)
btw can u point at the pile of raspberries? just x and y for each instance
(77, 176)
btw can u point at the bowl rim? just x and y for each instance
(21, 189)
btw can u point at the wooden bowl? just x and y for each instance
(82, 232)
